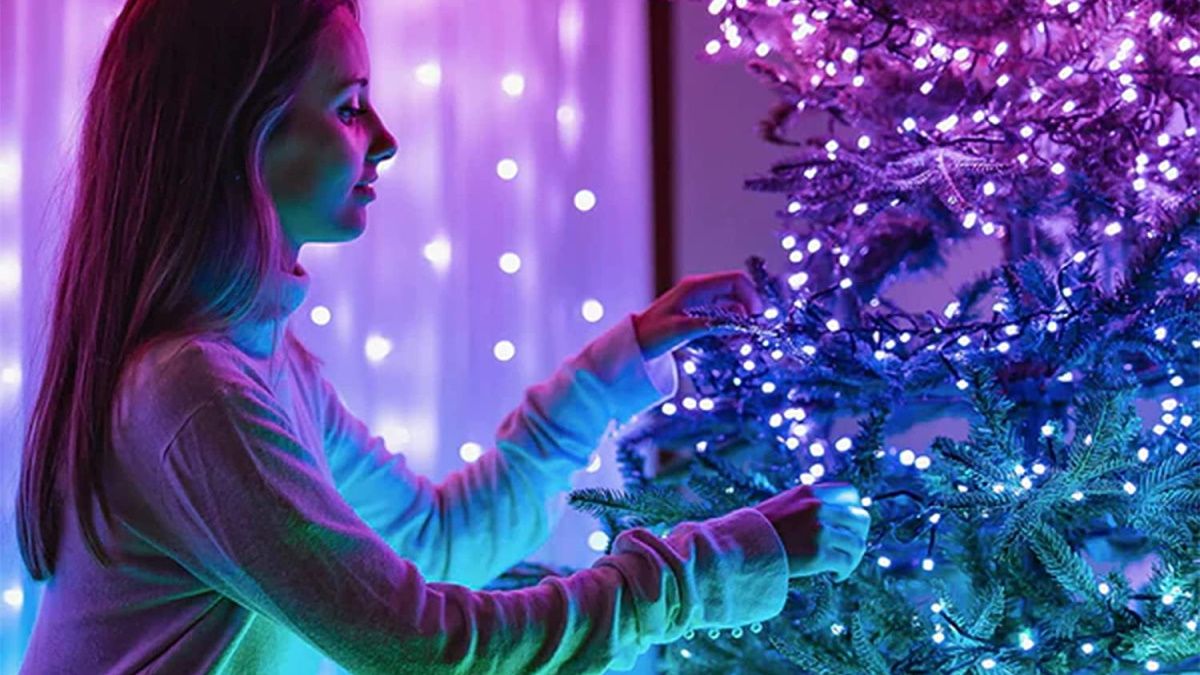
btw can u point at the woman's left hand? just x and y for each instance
(663, 327)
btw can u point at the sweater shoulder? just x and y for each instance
(164, 383)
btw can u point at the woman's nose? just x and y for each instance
(383, 147)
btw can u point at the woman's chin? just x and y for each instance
(352, 223)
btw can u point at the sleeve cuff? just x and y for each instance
(635, 383)
(762, 583)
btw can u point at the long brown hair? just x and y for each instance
(172, 230)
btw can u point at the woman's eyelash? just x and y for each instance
(352, 111)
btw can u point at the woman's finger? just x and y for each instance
(838, 561)
(727, 286)
(855, 518)
(745, 292)
(834, 536)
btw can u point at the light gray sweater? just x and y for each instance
(251, 505)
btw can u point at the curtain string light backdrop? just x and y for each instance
(512, 227)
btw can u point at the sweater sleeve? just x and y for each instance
(245, 507)
(494, 512)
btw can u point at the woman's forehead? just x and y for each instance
(341, 55)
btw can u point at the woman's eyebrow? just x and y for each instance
(350, 83)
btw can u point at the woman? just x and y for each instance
(239, 501)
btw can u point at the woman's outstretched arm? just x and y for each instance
(245, 507)
(496, 511)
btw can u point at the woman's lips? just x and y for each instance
(365, 191)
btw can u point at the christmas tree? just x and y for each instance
(1065, 133)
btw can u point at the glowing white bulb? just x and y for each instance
(510, 263)
(816, 449)
(864, 142)
(833, 325)
(814, 245)
(989, 188)
(598, 539)
(788, 243)
(1112, 229)
(377, 348)
(712, 47)
(948, 123)
(320, 315)
(669, 409)
(14, 597)
(592, 310)
(927, 564)
(429, 74)
(762, 49)
(513, 84)
(585, 200)
(909, 124)
(10, 267)
(470, 452)
(1001, 48)
(850, 55)
(843, 444)
(1129, 95)
(438, 252)
(565, 114)
(1129, 488)
(907, 457)
(884, 561)
(504, 350)
(11, 376)
(506, 169)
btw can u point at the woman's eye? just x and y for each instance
(348, 113)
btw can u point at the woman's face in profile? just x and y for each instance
(330, 144)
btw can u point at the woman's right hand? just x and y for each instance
(823, 527)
